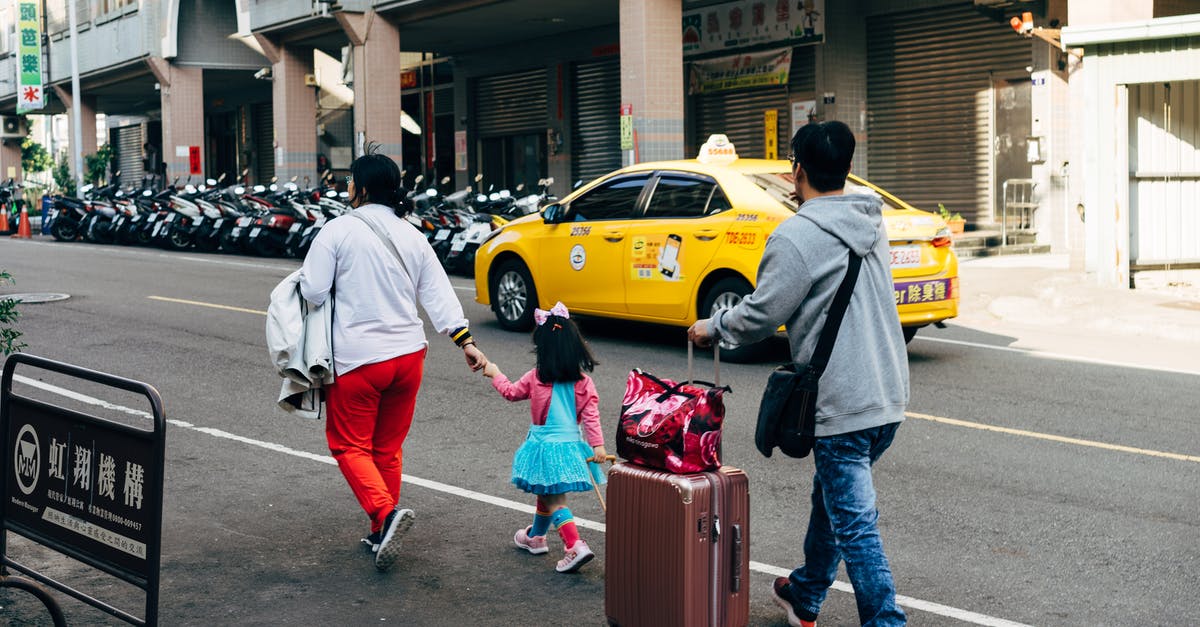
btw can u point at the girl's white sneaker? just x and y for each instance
(575, 558)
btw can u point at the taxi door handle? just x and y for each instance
(706, 235)
(614, 236)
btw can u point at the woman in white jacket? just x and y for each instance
(378, 339)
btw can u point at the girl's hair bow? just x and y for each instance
(559, 309)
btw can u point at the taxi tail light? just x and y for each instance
(942, 238)
(952, 293)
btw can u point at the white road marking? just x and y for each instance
(130, 252)
(1059, 356)
(766, 569)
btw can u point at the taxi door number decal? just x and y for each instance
(580, 231)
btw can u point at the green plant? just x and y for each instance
(34, 156)
(946, 215)
(8, 318)
(63, 178)
(97, 165)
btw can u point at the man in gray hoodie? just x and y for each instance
(864, 390)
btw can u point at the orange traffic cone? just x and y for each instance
(4, 220)
(23, 229)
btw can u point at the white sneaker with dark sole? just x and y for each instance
(575, 558)
(398, 523)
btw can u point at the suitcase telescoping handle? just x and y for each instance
(716, 363)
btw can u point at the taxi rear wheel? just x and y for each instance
(513, 296)
(724, 294)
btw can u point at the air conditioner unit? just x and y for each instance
(12, 126)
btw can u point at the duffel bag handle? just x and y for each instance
(716, 363)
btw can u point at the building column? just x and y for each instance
(652, 76)
(376, 44)
(87, 121)
(294, 109)
(10, 159)
(182, 93)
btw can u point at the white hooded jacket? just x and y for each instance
(300, 341)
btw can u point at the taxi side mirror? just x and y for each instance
(553, 214)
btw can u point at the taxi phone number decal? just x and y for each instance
(922, 291)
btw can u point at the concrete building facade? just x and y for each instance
(950, 105)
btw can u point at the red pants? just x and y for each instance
(370, 410)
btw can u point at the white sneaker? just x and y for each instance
(575, 558)
(397, 524)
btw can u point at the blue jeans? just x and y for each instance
(842, 527)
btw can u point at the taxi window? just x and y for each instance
(678, 196)
(781, 187)
(612, 200)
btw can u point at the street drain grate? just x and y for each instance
(36, 297)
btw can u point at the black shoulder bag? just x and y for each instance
(787, 416)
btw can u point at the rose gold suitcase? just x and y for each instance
(677, 548)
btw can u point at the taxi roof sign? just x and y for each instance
(717, 150)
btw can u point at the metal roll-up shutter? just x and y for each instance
(596, 139)
(129, 155)
(739, 114)
(929, 85)
(510, 104)
(264, 141)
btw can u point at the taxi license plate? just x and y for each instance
(916, 292)
(906, 256)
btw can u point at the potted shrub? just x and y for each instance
(955, 221)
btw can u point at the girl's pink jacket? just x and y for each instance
(587, 402)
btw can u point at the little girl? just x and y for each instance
(554, 458)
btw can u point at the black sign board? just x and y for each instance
(82, 485)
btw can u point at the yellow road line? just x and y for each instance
(1055, 438)
(212, 305)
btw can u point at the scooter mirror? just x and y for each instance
(520, 186)
(239, 190)
(549, 180)
(445, 180)
(431, 192)
(417, 181)
(478, 177)
(117, 173)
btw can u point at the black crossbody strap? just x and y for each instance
(837, 311)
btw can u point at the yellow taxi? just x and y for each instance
(670, 242)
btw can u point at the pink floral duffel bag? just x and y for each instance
(669, 425)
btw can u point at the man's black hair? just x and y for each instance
(562, 353)
(824, 150)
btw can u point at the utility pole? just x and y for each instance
(76, 115)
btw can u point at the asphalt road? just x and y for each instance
(1023, 489)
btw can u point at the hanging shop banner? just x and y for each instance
(759, 69)
(753, 22)
(29, 27)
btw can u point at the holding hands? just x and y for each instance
(476, 360)
(491, 370)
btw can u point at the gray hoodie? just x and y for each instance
(804, 262)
